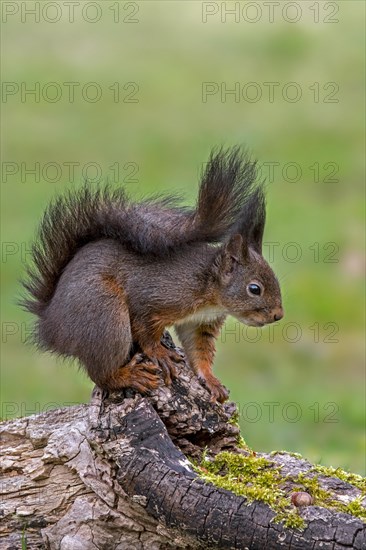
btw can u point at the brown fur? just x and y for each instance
(110, 276)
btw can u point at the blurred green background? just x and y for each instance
(162, 74)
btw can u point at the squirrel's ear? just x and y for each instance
(228, 256)
(234, 247)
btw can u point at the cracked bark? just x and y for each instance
(114, 475)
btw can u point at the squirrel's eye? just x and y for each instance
(254, 289)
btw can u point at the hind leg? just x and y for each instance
(138, 374)
(89, 318)
(118, 367)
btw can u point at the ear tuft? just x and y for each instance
(252, 220)
(234, 247)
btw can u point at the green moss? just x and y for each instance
(325, 498)
(241, 444)
(257, 478)
(253, 477)
(290, 519)
(311, 485)
(234, 419)
(354, 479)
(356, 509)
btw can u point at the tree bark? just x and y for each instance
(114, 474)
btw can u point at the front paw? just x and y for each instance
(218, 391)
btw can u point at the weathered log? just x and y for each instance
(114, 474)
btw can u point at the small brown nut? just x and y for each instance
(301, 499)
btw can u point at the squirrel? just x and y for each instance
(109, 275)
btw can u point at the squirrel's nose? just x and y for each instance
(278, 314)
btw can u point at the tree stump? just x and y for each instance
(118, 474)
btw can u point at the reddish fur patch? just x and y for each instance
(113, 287)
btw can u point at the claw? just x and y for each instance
(140, 376)
(218, 391)
(169, 371)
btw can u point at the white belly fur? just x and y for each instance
(201, 316)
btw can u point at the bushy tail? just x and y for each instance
(155, 227)
(69, 222)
